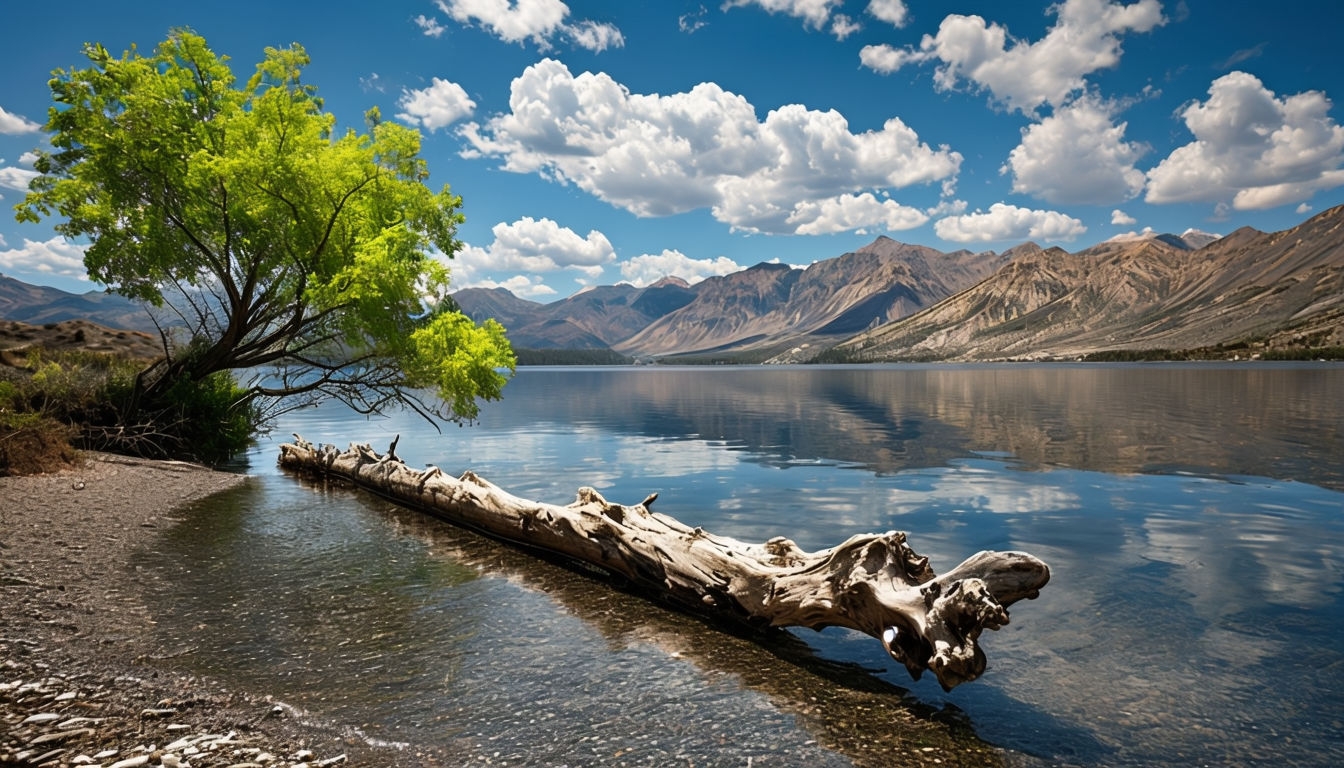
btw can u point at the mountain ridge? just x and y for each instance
(1275, 290)
(895, 301)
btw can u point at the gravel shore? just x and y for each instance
(79, 684)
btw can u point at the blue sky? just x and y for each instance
(615, 141)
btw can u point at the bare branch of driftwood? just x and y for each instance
(873, 583)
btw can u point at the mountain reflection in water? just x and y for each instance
(1191, 514)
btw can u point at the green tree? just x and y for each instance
(289, 250)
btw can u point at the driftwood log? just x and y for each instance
(873, 583)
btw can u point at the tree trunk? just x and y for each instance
(873, 583)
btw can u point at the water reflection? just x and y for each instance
(1193, 615)
(1283, 422)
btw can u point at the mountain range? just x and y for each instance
(892, 301)
(752, 314)
(1249, 290)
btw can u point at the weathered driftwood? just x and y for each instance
(873, 583)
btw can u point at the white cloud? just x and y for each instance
(649, 268)
(429, 25)
(886, 59)
(13, 124)
(893, 12)
(16, 178)
(1023, 75)
(595, 36)
(1121, 219)
(56, 256)
(1008, 222)
(1303, 208)
(442, 103)
(538, 21)
(660, 155)
(27, 158)
(814, 13)
(851, 212)
(1077, 155)
(843, 26)
(538, 246)
(1132, 236)
(1253, 147)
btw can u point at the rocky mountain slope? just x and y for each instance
(772, 307)
(1276, 290)
(757, 311)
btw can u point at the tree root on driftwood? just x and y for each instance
(873, 583)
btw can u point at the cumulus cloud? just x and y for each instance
(538, 246)
(649, 268)
(1008, 222)
(1303, 208)
(885, 58)
(1121, 219)
(56, 256)
(1021, 74)
(13, 124)
(659, 155)
(1252, 147)
(1077, 155)
(843, 26)
(893, 12)
(537, 21)
(442, 103)
(16, 178)
(854, 212)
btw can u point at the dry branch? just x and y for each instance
(873, 583)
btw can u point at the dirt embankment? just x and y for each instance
(17, 338)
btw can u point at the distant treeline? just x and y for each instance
(570, 357)
(1218, 352)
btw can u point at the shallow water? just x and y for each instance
(1192, 515)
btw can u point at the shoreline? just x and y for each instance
(79, 678)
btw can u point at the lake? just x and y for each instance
(1192, 516)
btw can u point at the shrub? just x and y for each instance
(61, 400)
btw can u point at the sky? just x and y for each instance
(614, 141)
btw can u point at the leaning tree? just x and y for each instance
(286, 248)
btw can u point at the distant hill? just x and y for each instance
(1248, 289)
(41, 305)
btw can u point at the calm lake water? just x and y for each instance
(1192, 516)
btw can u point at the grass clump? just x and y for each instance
(54, 403)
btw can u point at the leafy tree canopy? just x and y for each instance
(289, 249)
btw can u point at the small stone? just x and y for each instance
(41, 717)
(131, 762)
